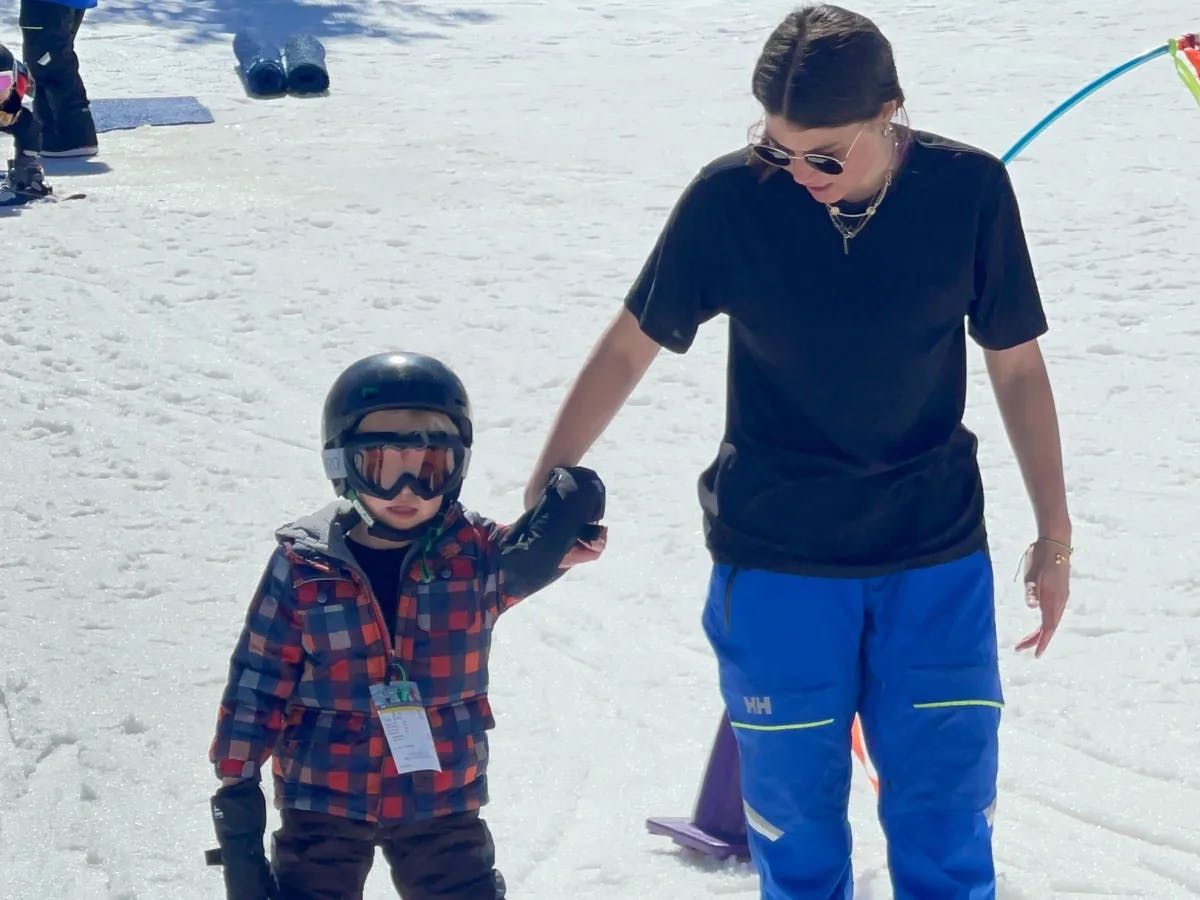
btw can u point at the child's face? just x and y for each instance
(406, 510)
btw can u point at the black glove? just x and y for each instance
(570, 505)
(239, 814)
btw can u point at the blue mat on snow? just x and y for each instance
(114, 114)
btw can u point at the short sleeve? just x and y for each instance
(1007, 309)
(675, 292)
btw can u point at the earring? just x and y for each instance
(887, 129)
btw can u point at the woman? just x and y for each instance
(844, 509)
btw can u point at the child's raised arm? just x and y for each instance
(534, 550)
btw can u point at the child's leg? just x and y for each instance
(931, 713)
(316, 856)
(27, 135)
(788, 649)
(442, 858)
(23, 179)
(60, 98)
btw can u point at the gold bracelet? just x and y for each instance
(1064, 550)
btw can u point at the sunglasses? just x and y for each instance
(774, 155)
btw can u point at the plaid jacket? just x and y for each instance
(313, 643)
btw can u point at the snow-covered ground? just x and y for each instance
(482, 183)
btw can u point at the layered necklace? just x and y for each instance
(850, 225)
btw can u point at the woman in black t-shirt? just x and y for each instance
(844, 508)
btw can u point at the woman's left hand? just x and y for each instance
(1047, 586)
(585, 551)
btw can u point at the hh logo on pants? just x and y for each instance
(758, 706)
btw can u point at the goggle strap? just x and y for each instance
(361, 509)
(335, 463)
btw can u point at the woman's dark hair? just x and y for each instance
(824, 67)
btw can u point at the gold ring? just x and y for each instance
(1031, 594)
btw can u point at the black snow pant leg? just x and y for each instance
(60, 98)
(316, 856)
(451, 857)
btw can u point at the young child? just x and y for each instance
(61, 100)
(362, 667)
(24, 179)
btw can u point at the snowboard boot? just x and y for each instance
(25, 181)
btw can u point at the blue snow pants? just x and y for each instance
(914, 653)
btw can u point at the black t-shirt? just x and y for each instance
(382, 568)
(844, 451)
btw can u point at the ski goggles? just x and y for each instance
(382, 464)
(16, 79)
(774, 155)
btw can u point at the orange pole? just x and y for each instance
(859, 746)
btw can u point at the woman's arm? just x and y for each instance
(1026, 402)
(611, 372)
(1022, 388)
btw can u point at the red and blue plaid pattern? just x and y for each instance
(314, 642)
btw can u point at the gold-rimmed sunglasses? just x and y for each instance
(766, 149)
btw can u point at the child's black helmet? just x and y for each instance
(393, 381)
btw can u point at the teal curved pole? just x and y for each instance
(1080, 95)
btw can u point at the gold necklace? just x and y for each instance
(849, 232)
